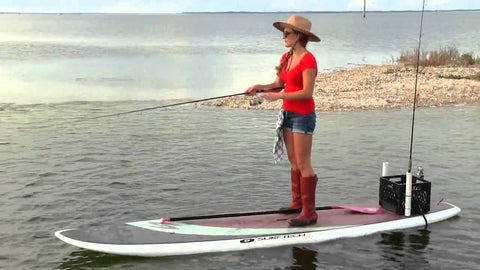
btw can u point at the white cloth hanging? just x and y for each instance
(278, 149)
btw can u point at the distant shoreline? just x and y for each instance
(321, 12)
(241, 12)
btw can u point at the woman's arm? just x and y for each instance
(308, 77)
(252, 90)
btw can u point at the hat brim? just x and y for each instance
(311, 36)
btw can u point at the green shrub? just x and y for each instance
(467, 58)
(440, 57)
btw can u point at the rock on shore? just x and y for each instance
(370, 87)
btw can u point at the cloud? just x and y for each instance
(145, 7)
(177, 6)
(355, 4)
(438, 2)
(123, 8)
(297, 5)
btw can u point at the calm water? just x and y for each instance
(190, 160)
(56, 58)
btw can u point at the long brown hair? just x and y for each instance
(303, 39)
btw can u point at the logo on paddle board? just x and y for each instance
(247, 240)
(272, 237)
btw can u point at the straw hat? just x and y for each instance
(300, 24)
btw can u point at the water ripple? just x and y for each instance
(176, 164)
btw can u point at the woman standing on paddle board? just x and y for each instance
(297, 72)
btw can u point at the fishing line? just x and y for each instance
(415, 93)
(177, 104)
(162, 107)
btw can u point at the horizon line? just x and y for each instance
(243, 12)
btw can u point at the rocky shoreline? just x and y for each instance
(369, 87)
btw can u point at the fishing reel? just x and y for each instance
(256, 101)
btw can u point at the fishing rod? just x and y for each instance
(179, 104)
(415, 92)
(408, 180)
(364, 7)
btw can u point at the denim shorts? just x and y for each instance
(299, 123)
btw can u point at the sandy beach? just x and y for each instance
(369, 87)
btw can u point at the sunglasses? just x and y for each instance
(286, 33)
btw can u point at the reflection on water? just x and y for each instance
(401, 241)
(81, 259)
(405, 249)
(304, 258)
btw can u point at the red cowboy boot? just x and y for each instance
(308, 215)
(296, 204)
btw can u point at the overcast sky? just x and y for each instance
(177, 6)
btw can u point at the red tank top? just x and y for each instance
(293, 80)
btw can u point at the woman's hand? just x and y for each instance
(252, 90)
(272, 96)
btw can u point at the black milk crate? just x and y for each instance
(392, 194)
